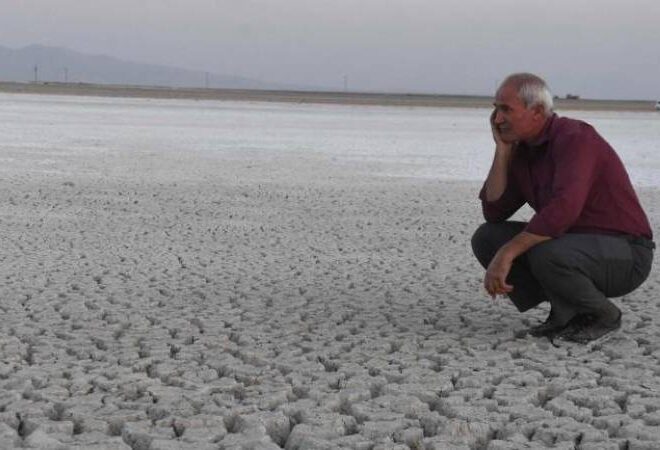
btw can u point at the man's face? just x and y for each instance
(513, 121)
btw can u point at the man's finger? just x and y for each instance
(494, 288)
(502, 284)
(488, 286)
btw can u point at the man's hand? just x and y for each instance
(500, 145)
(498, 269)
(497, 176)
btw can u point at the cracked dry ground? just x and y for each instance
(231, 304)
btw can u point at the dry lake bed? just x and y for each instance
(191, 275)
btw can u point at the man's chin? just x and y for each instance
(507, 136)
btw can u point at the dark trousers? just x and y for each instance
(576, 273)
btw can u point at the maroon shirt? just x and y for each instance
(574, 181)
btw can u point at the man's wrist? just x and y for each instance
(507, 253)
(504, 149)
(519, 245)
(514, 248)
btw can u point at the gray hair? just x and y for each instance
(532, 90)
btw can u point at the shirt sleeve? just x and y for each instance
(504, 207)
(575, 162)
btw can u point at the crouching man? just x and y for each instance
(589, 239)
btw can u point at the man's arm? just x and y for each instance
(498, 269)
(497, 179)
(499, 197)
(494, 188)
(575, 167)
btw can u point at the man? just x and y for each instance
(589, 239)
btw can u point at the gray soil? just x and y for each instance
(183, 301)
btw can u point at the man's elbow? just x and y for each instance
(494, 219)
(494, 216)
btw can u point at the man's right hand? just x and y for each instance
(500, 145)
(497, 176)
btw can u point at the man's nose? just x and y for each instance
(499, 117)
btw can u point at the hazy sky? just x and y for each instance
(593, 48)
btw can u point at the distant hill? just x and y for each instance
(60, 64)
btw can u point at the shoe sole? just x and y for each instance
(588, 346)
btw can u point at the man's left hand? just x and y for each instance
(498, 269)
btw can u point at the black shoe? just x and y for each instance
(590, 328)
(549, 328)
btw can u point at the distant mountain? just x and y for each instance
(60, 64)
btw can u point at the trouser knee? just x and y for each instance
(490, 237)
(482, 243)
